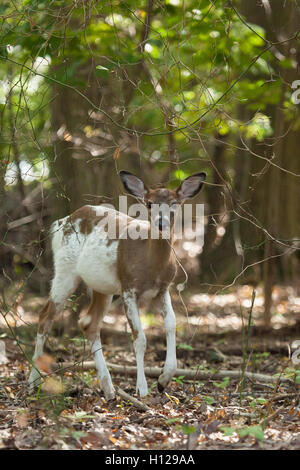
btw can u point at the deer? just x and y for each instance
(135, 269)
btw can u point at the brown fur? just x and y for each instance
(46, 317)
(161, 196)
(96, 310)
(88, 220)
(148, 264)
(145, 264)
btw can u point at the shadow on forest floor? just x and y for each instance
(225, 413)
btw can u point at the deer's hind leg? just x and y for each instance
(63, 285)
(90, 324)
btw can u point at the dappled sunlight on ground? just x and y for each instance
(208, 312)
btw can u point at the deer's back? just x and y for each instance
(81, 241)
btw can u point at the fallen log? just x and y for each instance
(195, 374)
(233, 348)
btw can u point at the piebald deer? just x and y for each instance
(134, 268)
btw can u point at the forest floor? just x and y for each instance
(69, 411)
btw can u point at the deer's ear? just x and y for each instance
(190, 186)
(133, 184)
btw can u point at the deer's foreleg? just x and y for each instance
(165, 307)
(139, 343)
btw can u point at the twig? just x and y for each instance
(138, 404)
(25, 220)
(283, 396)
(265, 421)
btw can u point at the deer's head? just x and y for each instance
(162, 202)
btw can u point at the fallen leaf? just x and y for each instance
(22, 419)
(93, 439)
(44, 362)
(116, 154)
(53, 386)
(172, 398)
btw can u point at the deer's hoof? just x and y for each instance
(165, 378)
(108, 388)
(34, 380)
(110, 396)
(142, 391)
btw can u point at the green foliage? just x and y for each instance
(192, 59)
(172, 420)
(251, 431)
(209, 400)
(291, 373)
(79, 416)
(223, 384)
(184, 346)
(188, 429)
(179, 380)
(257, 401)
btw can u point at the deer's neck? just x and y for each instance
(160, 249)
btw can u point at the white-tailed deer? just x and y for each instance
(133, 268)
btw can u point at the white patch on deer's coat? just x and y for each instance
(85, 321)
(88, 257)
(97, 264)
(65, 251)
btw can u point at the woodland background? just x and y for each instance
(163, 89)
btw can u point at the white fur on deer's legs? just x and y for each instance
(170, 326)
(35, 376)
(139, 343)
(103, 373)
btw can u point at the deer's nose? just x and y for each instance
(163, 223)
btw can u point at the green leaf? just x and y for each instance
(222, 384)
(100, 67)
(255, 431)
(188, 429)
(173, 420)
(209, 400)
(227, 431)
(77, 435)
(79, 416)
(187, 347)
